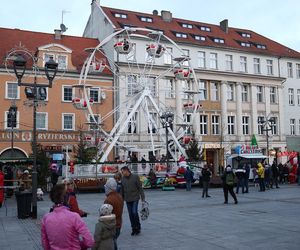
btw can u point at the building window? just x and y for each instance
(269, 67)
(256, 65)
(245, 125)
(260, 127)
(170, 88)
(291, 96)
(187, 119)
(11, 121)
(94, 123)
(261, 46)
(219, 40)
(132, 124)
(41, 121)
(68, 121)
(231, 125)
(298, 70)
(203, 90)
(200, 38)
(229, 62)
(181, 35)
(247, 35)
(151, 84)
(243, 44)
(168, 56)
(201, 59)
(67, 93)
(290, 69)
(260, 93)
(213, 60)
(243, 64)
(205, 28)
(215, 124)
(214, 91)
(230, 92)
(273, 95)
(203, 124)
(60, 59)
(187, 25)
(298, 97)
(95, 94)
(146, 19)
(245, 93)
(186, 86)
(12, 90)
(152, 127)
(186, 53)
(132, 82)
(274, 126)
(120, 15)
(292, 127)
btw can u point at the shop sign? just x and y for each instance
(248, 149)
(215, 145)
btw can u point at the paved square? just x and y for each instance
(183, 220)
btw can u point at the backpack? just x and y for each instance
(229, 179)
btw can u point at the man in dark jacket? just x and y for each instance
(188, 176)
(228, 183)
(132, 192)
(240, 175)
(205, 180)
(275, 174)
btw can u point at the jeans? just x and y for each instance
(132, 208)
(205, 188)
(240, 183)
(261, 184)
(118, 231)
(226, 189)
(246, 183)
(188, 185)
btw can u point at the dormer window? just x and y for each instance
(219, 40)
(200, 38)
(244, 44)
(181, 35)
(60, 59)
(260, 46)
(146, 19)
(120, 15)
(159, 31)
(205, 28)
(186, 25)
(247, 35)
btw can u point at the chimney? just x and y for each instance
(224, 25)
(57, 34)
(155, 13)
(166, 15)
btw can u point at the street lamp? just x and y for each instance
(19, 66)
(167, 120)
(267, 125)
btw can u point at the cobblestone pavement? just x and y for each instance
(182, 220)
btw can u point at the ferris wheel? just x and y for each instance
(138, 77)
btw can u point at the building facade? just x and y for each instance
(243, 78)
(58, 122)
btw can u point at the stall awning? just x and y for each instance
(250, 156)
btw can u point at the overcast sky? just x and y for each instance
(276, 19)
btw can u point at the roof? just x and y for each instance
(232, 39)
(11, 38)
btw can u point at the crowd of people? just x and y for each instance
(63, 227)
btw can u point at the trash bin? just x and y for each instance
(24, 204)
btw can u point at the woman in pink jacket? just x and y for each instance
(62, 228)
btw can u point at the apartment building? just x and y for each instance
(243, 77)
(58, 121)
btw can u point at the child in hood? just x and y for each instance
(105, 229)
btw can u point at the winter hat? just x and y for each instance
(26, 172)
(228, 169)
(111, 184)
(105, 209)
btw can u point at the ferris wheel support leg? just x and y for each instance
(124, 125)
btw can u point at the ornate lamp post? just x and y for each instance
(19, 66)
(167, 120)
(267, 125)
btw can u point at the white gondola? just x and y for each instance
(97, 67)
(183, 74)
(123, 46)
(80, 103)
(155, 50)
(190, 107)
